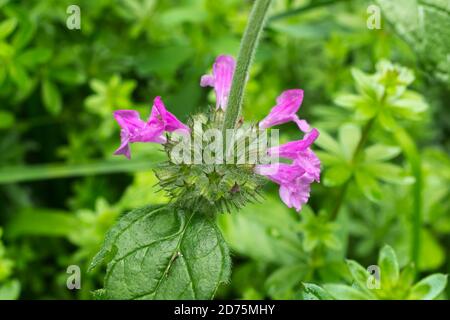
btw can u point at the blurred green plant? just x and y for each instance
(389, 284)
(9, 288)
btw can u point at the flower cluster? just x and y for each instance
(294, 178)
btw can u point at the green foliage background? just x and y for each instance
(61, 189)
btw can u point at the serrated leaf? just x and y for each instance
(164, 253)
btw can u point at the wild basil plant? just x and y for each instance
(176, 250)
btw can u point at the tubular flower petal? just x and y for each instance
(288, 103)
(134, 129)
(296, 193)
(160, 115)
(291, 149)
(281, 173)
(294, 182)
(308, 160)
(221, 79)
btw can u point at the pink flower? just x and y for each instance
(287, 106)
(292, 149)
(160, 115)
(301, 153)
(134, 129)
(295, 178)
(308, 160)
(221, 79)
(296, 194)
(281, 173)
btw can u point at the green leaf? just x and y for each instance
(51, 97)
(425, 26)
(389, 269)
(386, 120)
(389, 172)
(163, 62)
(26, 30)
(265, 232)
(9, 174)
(315, 292)
(19, 76)
(429, 288)
(349, 137)
(337, 175)
(41, 222)
(368, 185)
(431, 254)
(326, 142)
(317, 229)
(409, 105)
(344, 292)
(328, 159)
(283, 282)
(359, 274)
(164, 253)
(67, 75)
(178, 15)
(7, 27)
(6, 119)
(34, 57)
(366, 85)
(349, 100)
(407, 276)
(380, 152)
(10, 290)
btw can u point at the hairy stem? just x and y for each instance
(247, 51)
